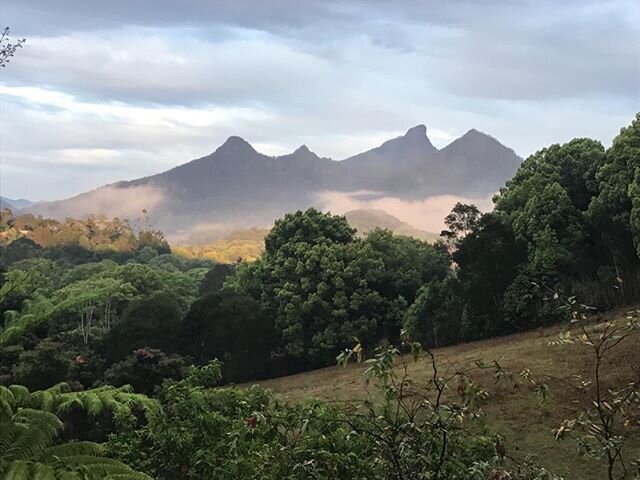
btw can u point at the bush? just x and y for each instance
(233, 328)
(154, 322)
(145, 370)
(47, 364)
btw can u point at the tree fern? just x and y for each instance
(34, 312)
(30, 424)
(59, 399)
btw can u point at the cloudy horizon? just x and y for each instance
(124, 91)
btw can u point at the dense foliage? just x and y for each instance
(323, 287)
(567, 221)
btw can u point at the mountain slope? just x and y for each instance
(240, 187)
(366, 219)
(14, 204)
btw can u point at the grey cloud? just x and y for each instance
(498, 50)
(78, 15)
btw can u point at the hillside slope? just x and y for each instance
(366, 219)
(525, 421)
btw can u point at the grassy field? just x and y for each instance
(517, 413)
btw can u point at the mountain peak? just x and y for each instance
(235, 145)
(475, 133)
(418, 131)
(302, 149)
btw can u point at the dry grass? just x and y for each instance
(521, 417)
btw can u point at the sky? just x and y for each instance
(107, 91)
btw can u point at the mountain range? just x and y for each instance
(237, 187)
(14, 204)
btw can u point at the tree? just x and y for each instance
(154, 239)
(488, 261)
(183, 286)
(319, 295)
(610, 210)
(44, 366)
(311, 227)
(462, 220)
(8, 48)
(154, 321)
(20, 249)
(619, 197)
(408, 264)
(434, 318)
(144, 279)
(324, 287)
(145, 370)
(34, 313)
(233, 328)
(214, 279)
(91, 302)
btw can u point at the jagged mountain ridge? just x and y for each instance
(238, 185)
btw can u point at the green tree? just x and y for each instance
(324, 288)
(434, 318)
(154, 321)
(44, 366)
(233, 328)
(310, 227)
(154, 239)
(462, 220)
(144, 279)
(488, 260)
(145, 370)
(214, 279)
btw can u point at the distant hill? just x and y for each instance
(240, 187)
(249, 244)
(364, 220)
(16, 204)
(243, 244)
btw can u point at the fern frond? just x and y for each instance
(9, 431)
(65, 402)
(71, 449)
(6, 395)
(6, 409)
(29, 424)
(20, 394)
(17, 470)
(42, 471)
(69, 475)
(92, 404)
(41, 429)
(128, 476)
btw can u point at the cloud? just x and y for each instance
(427, 214)
(204, 233)
(112, 201)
